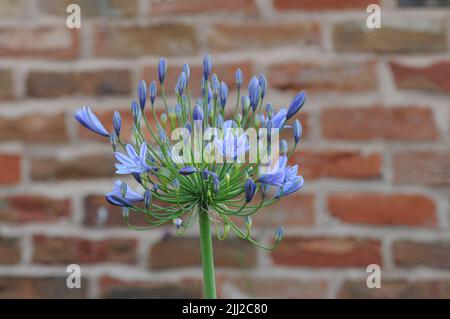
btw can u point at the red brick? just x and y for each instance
(48, 84)
(402, 123)
(132, 41)
(34, 128)
(268, 287)
(66, 250)
(49, 42)
(10, 169)
(33, 208)
(9, 251)
(383, 209)
(87, 166)
(124, 289)
(422, 167)
(184, 7)
(422, 254)
(6, 85)
(13, 9)
(332, 76)
(337, 164)
(327, 252)
(431, 78)
(398, 289)
(321, 5)
(224, 37)
(108, 8)
(225, 72)
(40, 287)
(399, 36)
(176, 252)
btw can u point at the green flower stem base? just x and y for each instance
(209, 281)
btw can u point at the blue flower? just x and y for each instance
(250, 189)
(117, 123)
(207, 66)
(292, 182)
(142, 93)
(89, 120)
(162, 70)
(187, 170)
(231, 145)
(296, 104)
(223, 94)
(125, 200)
(197, 114)
(153, 90)
(239, 78)
(276, 174)
(133, 163)
(278, 119)
(254, 92)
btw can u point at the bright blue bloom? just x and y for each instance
(254, 92)
(262, 84)
(117, 122)
(181, 83)
(276, 175)
(89, 120)
(231, 146)
(153, 90)
(162, 70)
(207, 66)
(133, 163)
(223, 94)
(296, 104)
(239, 78)
(125, 200)
(136, 112)
(291, 182)
(186, 70)
(297, 131)
(142, 93)
(197, 114)
(250, 190)
(278, 119)
(187, 170)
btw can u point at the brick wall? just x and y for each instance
(376, 154)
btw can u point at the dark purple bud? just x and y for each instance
(250, 189)
(142, 93)
(197, 114)
(189, 127)
(162, 70)
(137, 177)
(296, 104)
(117, 123)
(188, 170)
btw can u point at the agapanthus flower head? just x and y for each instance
(89, 120)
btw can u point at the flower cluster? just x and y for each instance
(179, 183)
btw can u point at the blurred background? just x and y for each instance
(375, 153)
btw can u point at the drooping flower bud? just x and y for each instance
(296, 104)
(250, 189)
(297, 128)
(117, 123)
(187, 170)
(162, 70)
(239, 78)
(142, 93)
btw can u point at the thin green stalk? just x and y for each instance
(209, 281)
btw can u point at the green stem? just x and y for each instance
(209, 282)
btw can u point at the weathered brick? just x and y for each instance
(431, 78)
(33, 208)
(327, 252)
(321, 5)
(12, 8)
(333, 76)
(422, 167)
(224, 37)
(337, 164)
(108, 8)
(6, 85)
(40, 287)
(399, 36)
(66, 250)
(119, 289)
(383, 209)
(398, 289)
(10, 169)
(175, 252)
(224, 70)
(295, 210)
(268, 287)
(34, 128)
(87, 166)
(49, 42)
(400, 123)
(185, 7)
(422, 254)
(86, 83)
(132, 41)
(9, 251)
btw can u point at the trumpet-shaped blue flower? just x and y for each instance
(231, 146)
(125, 200)
(132, 163)
(89, 120)
(276, 174)
(292, 182)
